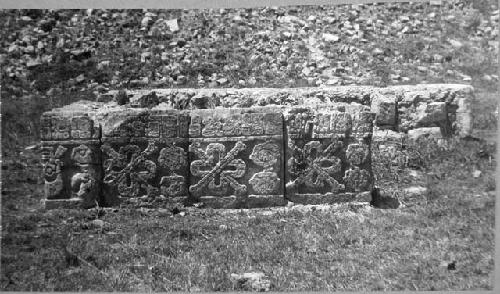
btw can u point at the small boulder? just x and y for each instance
(432, 132)
(172, 24)
(253, 281)
(330, 37)
(415, 191)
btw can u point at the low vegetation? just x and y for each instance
(439, 238)
(442, 239)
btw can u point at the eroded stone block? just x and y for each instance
(236, 157)
(328, 154)
(385, 109)
(72, 173)
(71, 159)
(68, 126)
(145, 155)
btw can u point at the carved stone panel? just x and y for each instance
(236, 157)
(72, 173)
(328, 154)
(145, 155)
(68, 126)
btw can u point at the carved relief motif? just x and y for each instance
(172, 157)
(328, 124)
(267, 155)
(175, 159)
(174, 185)
(265, 182)
(82, 154)
(363, 124)
(357, 154)
(78, 127)
(84, 184)
(218, 170)
(357, 179)
(60, 128)
(52, 170)
(81, 127)
(315, 167)
(243, 124)
(129, 169)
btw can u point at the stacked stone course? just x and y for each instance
(233, 148)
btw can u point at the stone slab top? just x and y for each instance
(203, 98)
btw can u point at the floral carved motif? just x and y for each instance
(52, 170)
(315, 167)
(357, 179)
(265, 182)
(174, 159)
(218, 170)
(129, 169)
(357, 153)
(266, 154)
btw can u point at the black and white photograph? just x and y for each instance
(263, 147)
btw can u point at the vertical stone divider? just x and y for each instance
(328, 153)
(358, 176)
(236, 157)
(145, 157)
(71, 159)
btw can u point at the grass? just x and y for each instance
(344, 248)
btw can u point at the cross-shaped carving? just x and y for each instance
(213, 168)
(315, 167)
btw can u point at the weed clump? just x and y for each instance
(121, 97)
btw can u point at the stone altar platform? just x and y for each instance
(237, 148)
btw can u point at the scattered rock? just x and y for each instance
(80, 78)
(429, 132)
(330, 38)
(172, 25)
(81, 55)
(253, 281)
(455, 43)
(377, 51)
(97, 223)
(32, 63)
(415, 191)
(222, 81)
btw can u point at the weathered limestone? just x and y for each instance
(145, 153)
(233, 148)
(328, 153)
(236, 157)
(71, 159)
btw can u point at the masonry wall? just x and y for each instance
(237, 147)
